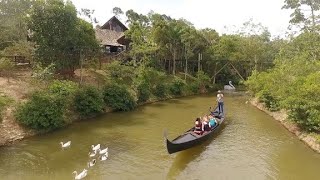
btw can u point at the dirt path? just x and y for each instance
(17, 89)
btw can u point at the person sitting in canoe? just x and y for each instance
(212, 121)
(205, 123)
(198, 127)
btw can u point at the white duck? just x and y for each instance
(103, 151)
(95, 148)
(229, 87)
(81, 175)
(64, 145)
(92, 154)
(104, 157)
(92, 163)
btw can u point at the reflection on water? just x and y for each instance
(250, 146)
(183, 158)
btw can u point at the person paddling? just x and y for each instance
(220, 101)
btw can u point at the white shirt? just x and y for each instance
(220, 97)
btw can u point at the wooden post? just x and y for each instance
(220, 70)
(237, 72)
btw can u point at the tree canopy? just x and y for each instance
(59, 34)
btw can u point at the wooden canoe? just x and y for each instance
(190, 139)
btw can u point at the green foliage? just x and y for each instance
(4, 101)
(203, 79)
(299, 16)
(20, 48)
(304, 103)
(177, 86)
(43, 74)
(160, 90)
(63, 88)
(88, 101)
(43, 111)
(119, 73)
(117, 11)
(118, 97)
(13, 24)
(155, 79)
(306, 46)
(60, 35)
(6, 67)
(194, 87)
(270, 102)
(144, 92)
(294, 82)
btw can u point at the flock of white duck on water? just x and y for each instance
(95, 150)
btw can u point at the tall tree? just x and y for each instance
(60, 35)
(307, 18)
(13, 22)
(141, 46)
(117, 12)
(167, 34)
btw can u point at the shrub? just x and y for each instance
(6, 68)
(176, 87)
(42, 112)
(63, 88)
(88, 101)
(160, 90)
(270, 101)
(4, 101)
(119, 73)
(203, 79)
(43, 73)
(118, 97)
(304, 103)
(143, 92)
(193, 87)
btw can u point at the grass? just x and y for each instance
(4, 101)
(316, 136)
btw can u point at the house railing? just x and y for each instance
(18, 60)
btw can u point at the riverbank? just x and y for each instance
(17, 89)
(11, 131)
(282, 117)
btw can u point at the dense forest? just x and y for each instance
(167, 57)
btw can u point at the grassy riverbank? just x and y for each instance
(42, 106)
(311, 139)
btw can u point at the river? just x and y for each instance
(251, 145)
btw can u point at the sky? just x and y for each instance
(225, 16)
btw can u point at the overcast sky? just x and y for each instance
(215, 14)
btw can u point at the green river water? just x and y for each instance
(251, 145)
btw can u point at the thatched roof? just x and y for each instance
(108, 37)
(116, 20)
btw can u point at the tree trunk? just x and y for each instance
(174, 62)
(255, 63)
(313, 18)
(186, 70)
(80, 68)
(215, 71)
